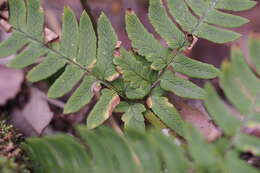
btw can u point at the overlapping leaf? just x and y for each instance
(241, 87)
(133, 117)
(196, 18)
(76, 53)
(136, 152)
(134, 71)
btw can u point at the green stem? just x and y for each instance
(70, 61)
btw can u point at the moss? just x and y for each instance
(12, 158)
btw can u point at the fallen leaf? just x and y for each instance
(35, 115)
(199, 120)
(10, 83)
(5, 25)
(193, 111)
(49, 35)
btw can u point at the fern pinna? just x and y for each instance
(130, 76)
(156, 152)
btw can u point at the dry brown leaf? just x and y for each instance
(35, 115)
(5, 25)
(10, 83)
(49, 35)
(199, 120)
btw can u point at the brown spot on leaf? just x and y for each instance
(112, 105)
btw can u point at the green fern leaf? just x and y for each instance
(50, 152)
(243, 90)
(69, 46)
(236, 5)
(181, 87)
(35, 19)
(164, 26)
(193, 68)
(17, 11)
(133, 118)
(103, 109)
(201, 8)
(123, 155)
(134, 71)
(69, 78)
(145, 44)
(47, 68)
(233, 89)
(135, 152)
(70, 34)
(208, 14)
(167, 113)
(28, 56)
(248, 143)
(199, 147)
(240, 86)
(166, 145)
(149, 162)
(14, 43)
(136, 93)
(98, 150)
(254, 45)
(219, 112)
(87, 42)
(81, 96)
(124, 87)
(105, 68)
(77, 49)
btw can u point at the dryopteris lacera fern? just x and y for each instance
(153, 152)
(89, 60)
(105, 151)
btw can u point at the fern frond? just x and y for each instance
(164, 26)
(76, 51)
(135, 152)
(208, 13)
(145, 43)
(206, 10)
(240, 86)
(195, 18)
(86, 59)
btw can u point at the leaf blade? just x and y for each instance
(167, 113)
(81, 96)
(103, 109)
(180, 86)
